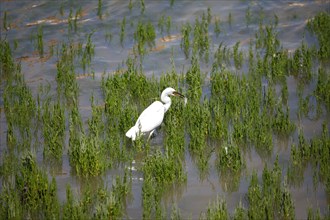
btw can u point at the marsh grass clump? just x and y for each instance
(88, 52)
(224, 101)
(53, 129)
(238, 102)
(10, 201)
(67, 85)
(238, 56)
(248, 16)
(122, 32)
(301, 154)
(267, 40)
(322, 89)
(86, 155)
(301, 64)
(144, 34)
(313, 214)
(216, 210)
(143, 6)
(31, 194)
(230, 158)
(271, 198)
(130, 5)
(217, 29)
(163, 170)
(198, 119)
(20, 111)
(279, 66)
(194, 81)
(98, 202)
(161, 173)
(198, 126)
(5, 24)
(40, 42)
(161, 24)
(201, 40)
(230, 19)
(221, 58)
(281, 123)
(7, 62)
(185, 41)
(319, 26)
(99, 9)
(71, 208)
(230, 164)
(314, 152)
(174, 142)
(168, 25)
(175, 213)
(87, 151)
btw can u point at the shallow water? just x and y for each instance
(196, 195)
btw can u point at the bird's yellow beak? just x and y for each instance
(175, 93)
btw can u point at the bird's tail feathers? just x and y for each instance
(132, 132)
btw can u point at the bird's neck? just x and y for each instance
(167, 105)
(167, 102)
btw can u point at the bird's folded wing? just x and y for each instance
(151, 117)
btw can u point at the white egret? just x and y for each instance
(152, 116)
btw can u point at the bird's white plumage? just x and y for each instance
(153, 115)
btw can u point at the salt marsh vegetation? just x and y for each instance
(247, 126)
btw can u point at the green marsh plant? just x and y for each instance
(185, 41)
(31, 195)
(6, 25)
(53, 129)
(217, 29)
(40, 41)
(319, 26)
(122, 32)
(248, 16)
(270, 198)
(99, 9)
(144, 34)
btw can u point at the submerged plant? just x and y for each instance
(143, 7)
(88, 52)
(5, 24)
(40, 44)
(230, 19)
(168, 25)
(122, 33)
(217, 29)
(161, 23)
(248, 17)
(99, 9)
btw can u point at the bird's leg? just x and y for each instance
(150, 134)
